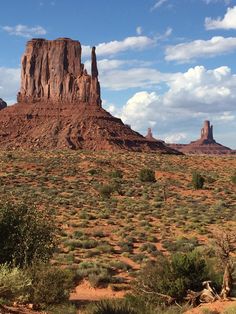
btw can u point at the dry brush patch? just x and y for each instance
(106, 235)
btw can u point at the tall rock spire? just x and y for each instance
(94, 68)
(207, 131)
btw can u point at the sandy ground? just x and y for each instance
(84, 292)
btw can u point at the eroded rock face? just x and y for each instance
(51, 70)
(3, 104)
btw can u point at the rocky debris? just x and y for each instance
(205, 145)
(3, 104)
(59, 105)
(51, 71)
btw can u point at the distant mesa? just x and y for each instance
(205, 145)
(3, 104)
(59, 105)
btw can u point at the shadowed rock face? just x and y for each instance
(3, 104)
(51, 70)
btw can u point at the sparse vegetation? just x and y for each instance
(197, 180)
(107, 239)
(147, 175)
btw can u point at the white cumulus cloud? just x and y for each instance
(24, 30)
(9, 83)
(227, 22)
(175, 138)
(114, 47)
(192, 96)
(215, 46)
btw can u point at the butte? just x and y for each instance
(206, 144)
(59, 105)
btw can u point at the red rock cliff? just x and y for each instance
(52, 71)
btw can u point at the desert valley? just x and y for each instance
(96, 218)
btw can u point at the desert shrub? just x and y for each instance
(100, 279)
(147, 175)
(182, 244)
(116, 174)
(14, 283)
(50, 285)
(106, 191)
(172, 276)
(26, 235)
(110, 306)
(233, 178)
(92, 172)
(197, 181)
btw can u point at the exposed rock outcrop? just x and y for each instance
(51, 71)
(3, 104)
(205, 145)
(59, 105)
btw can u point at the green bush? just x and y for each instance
(26, 235)
(172, 276)
(50, 285)
(106, 191)
(116, 174)
(14, 283)
(197, 181)
(147, 175)
(233, 179)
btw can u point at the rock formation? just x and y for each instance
(51, 71)
(3, 104)
(59, 105)
(205, 145)
(150, 137)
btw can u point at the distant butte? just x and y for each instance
(205, 145)
(59, 105)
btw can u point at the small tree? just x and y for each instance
(197, 180)
(226, 247)
(26, 235)
(50, 285)
(167, 280)
(147, 175)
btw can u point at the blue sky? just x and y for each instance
(165, 64)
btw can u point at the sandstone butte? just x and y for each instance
(205, 145)
(59, 105)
